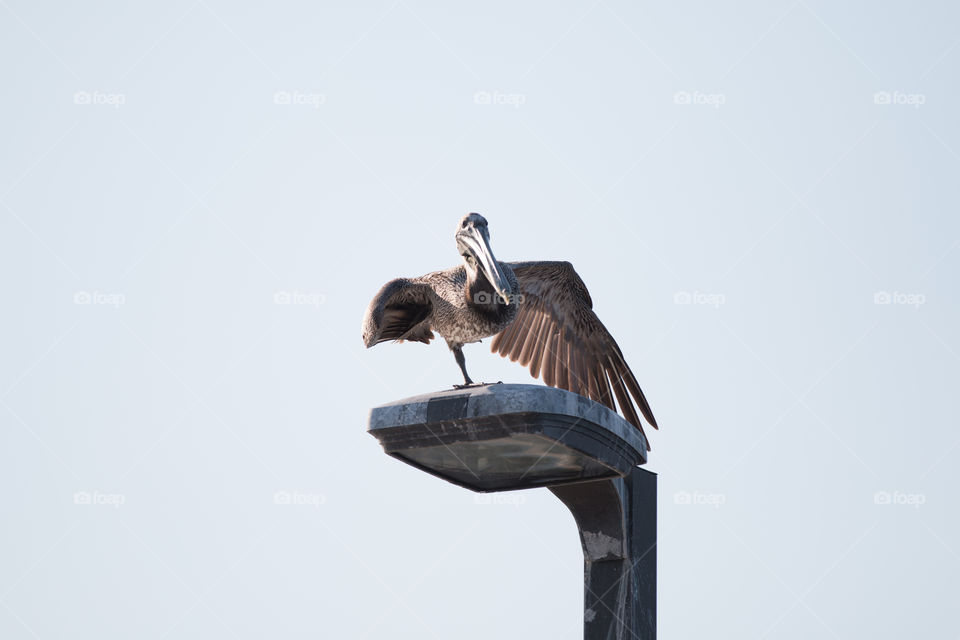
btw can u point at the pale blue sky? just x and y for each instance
(198, 199)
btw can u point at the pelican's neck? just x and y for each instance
(479, 292)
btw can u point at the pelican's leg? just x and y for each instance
(461, 361)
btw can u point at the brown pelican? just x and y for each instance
(539, 313)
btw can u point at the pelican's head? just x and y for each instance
(473, 243)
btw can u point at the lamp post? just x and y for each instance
(504, 437)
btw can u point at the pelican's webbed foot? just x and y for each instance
(475, 384)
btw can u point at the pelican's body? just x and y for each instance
(465, 311)
(539, 312)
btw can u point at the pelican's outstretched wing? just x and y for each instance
(400, 311)
(557, 334)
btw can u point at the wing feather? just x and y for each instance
(593, 389)
(536, 359)
(549, 358)
(522, 337)
(526, 354)
(497, 341)
(575, 376)
(560, 363)
(510, 336)
(559, 337)
(401, 310)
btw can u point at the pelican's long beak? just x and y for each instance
(478, 243)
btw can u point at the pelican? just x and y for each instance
(540, 314)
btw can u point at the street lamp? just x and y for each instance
(503, 437)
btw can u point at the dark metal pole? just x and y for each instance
(617, 519)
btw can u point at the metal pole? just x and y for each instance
(617, 519)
